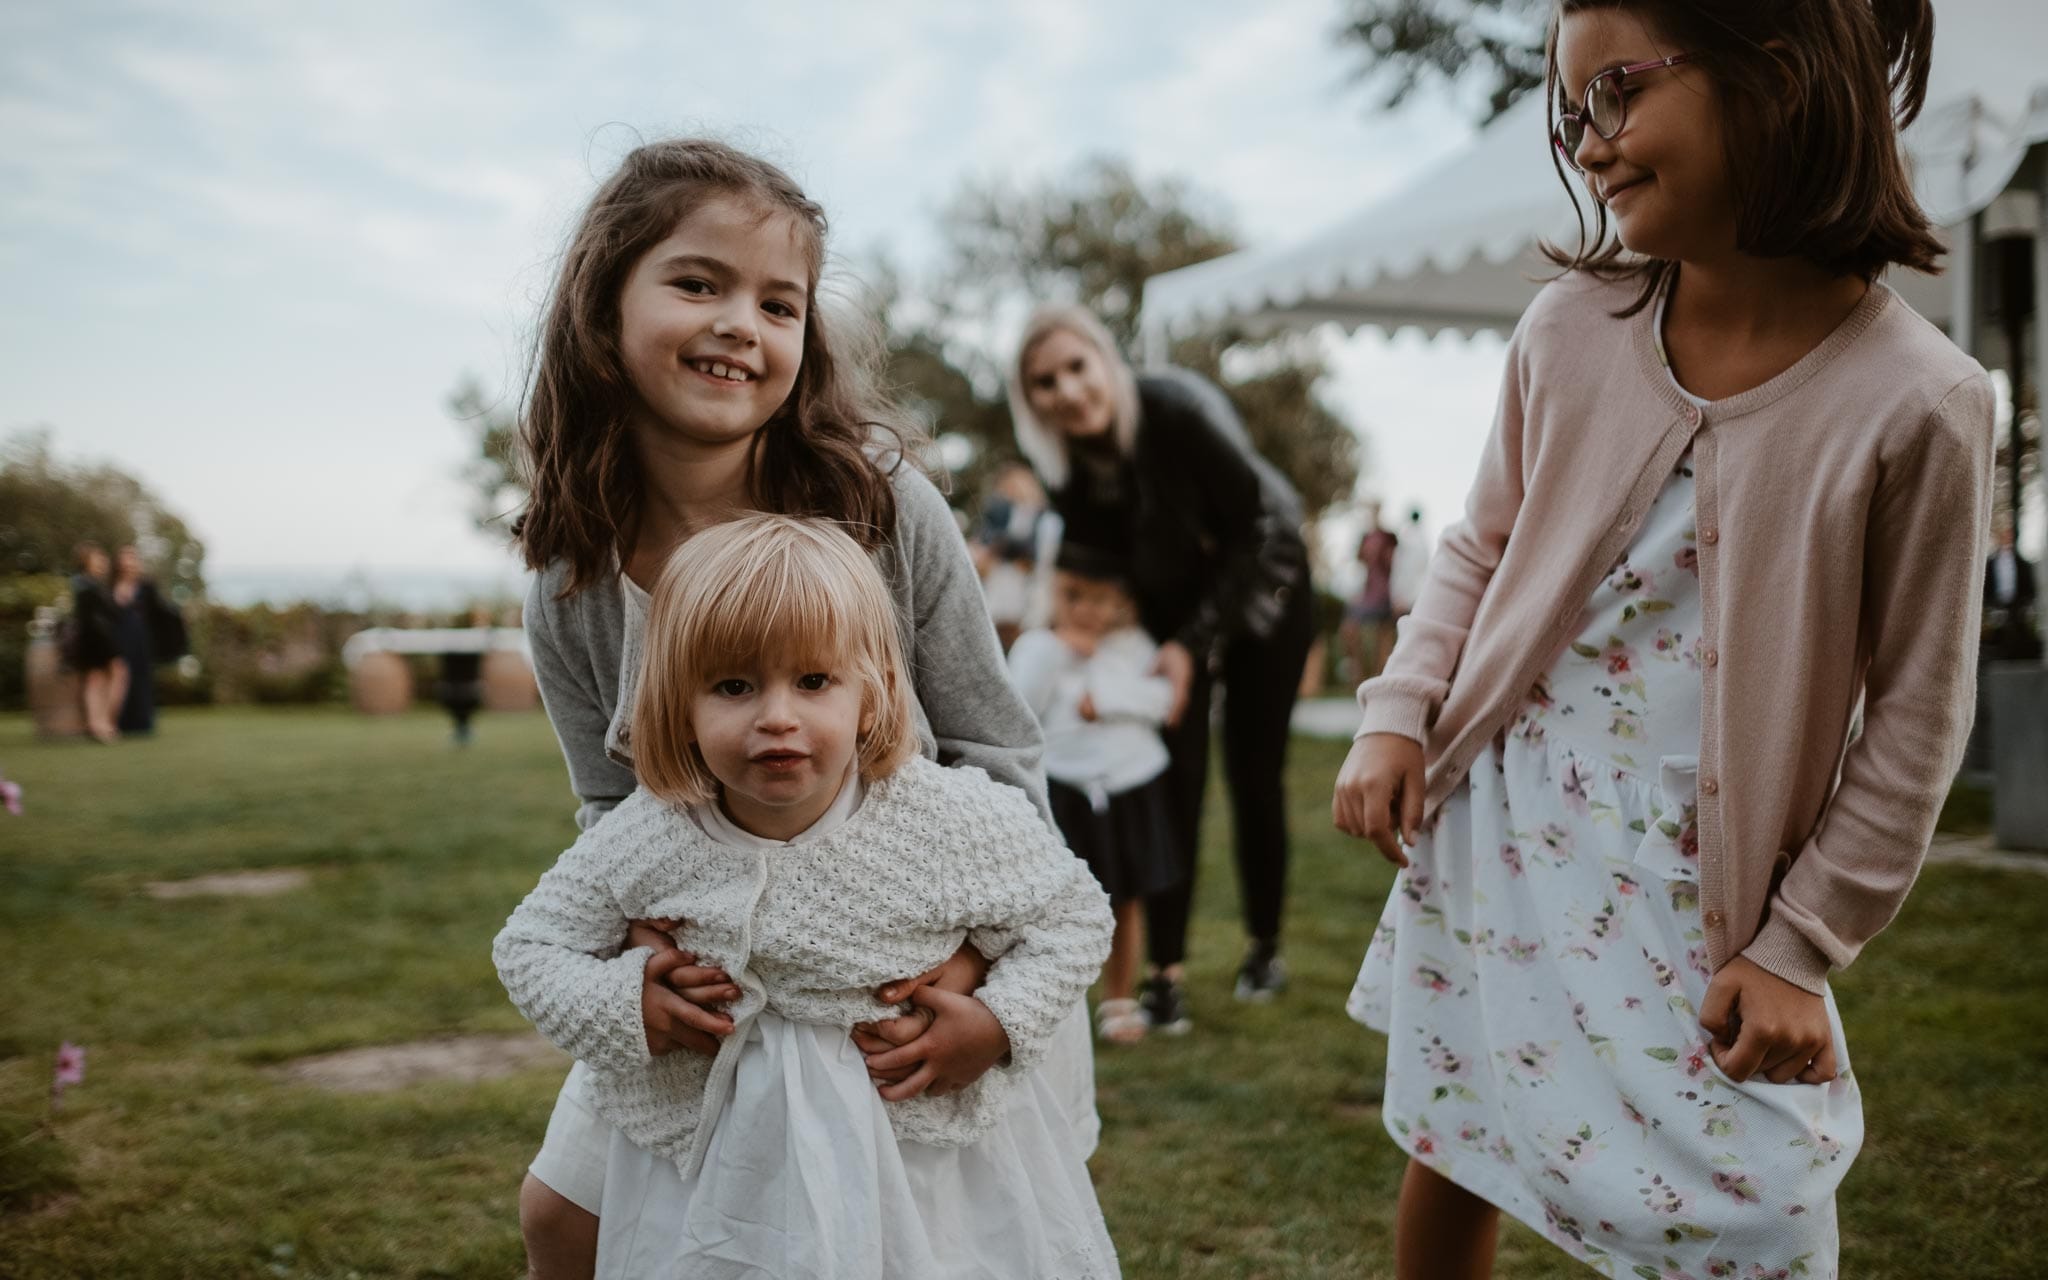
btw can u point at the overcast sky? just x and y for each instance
(248, 249)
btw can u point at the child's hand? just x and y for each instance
(1177, 665)
(1379, 793)
(963, 973)
(679, 999)
(962, 1043)
(1764, 1025)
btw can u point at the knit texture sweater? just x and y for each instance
(1841, 507)
(933, 857)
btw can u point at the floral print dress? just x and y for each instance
(1539, 969)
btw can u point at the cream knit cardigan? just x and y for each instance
(934, 856)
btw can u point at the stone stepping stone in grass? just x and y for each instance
(233, 884)
(382, 1068)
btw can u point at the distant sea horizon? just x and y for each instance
(419, 588)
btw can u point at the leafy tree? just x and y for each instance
(493, 473)
(1402, 45)
(51, 506)
(1093, 237)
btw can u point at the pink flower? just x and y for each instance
(70, 1070)
(10, 795)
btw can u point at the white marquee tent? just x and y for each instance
(1457, 248)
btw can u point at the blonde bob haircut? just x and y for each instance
(757, 591)
(1044, 446)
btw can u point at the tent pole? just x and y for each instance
(1152, 346)
(2040, 379)
(1962, 279)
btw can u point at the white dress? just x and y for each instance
(804, 1179)
(1539, 968)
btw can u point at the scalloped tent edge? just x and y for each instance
(1457, 248)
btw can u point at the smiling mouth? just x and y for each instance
(723, 371)
(1608, 195)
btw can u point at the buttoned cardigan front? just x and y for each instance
(1841, 509)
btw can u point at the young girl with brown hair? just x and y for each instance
(1736, 491)
(685, 374)
(784, 808)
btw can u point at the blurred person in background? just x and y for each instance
(1370, 613)
(91, 647)
(1009, 545)
(147, 630)
(1089, 679)
(1411, 563)
(1158, 470)
(2009, 595)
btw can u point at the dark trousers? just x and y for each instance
(1261, 679)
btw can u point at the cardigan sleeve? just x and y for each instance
(1032, 907)
(1405, 697)
(1923, 572)
(569, 695)
(1035, 661)
(1121, 683)
(956, 665)
(558, 956)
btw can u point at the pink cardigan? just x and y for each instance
(1842, 509)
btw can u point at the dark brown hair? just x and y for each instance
(1813, 95)
(828, 451)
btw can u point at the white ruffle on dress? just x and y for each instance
(1539, 969)
(804, 1179)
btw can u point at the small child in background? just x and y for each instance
(1089, 681)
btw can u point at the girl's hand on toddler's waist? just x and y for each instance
(963, 1052)
(1379, 793)
(681, 1002)
(962, 1041)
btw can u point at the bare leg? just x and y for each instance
(1351, 636)
(117, 694)
(1442, 1231)
(98, 683)
(560, 1235)
(1121, 973)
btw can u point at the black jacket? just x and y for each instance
(1212, 530)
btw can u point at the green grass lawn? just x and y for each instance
(1251, 1148)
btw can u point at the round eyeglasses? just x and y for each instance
(1606, 109)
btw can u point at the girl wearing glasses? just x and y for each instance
(1736, 490)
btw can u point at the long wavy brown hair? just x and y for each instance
(829, 451)
(1813, 95)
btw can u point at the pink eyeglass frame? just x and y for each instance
(1584, 115)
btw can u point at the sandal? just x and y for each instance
(1120, 1022)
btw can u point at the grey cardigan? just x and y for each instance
(587, 666)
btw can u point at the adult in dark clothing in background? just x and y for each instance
(147, 630)
(90, 648)
(1158, 470)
